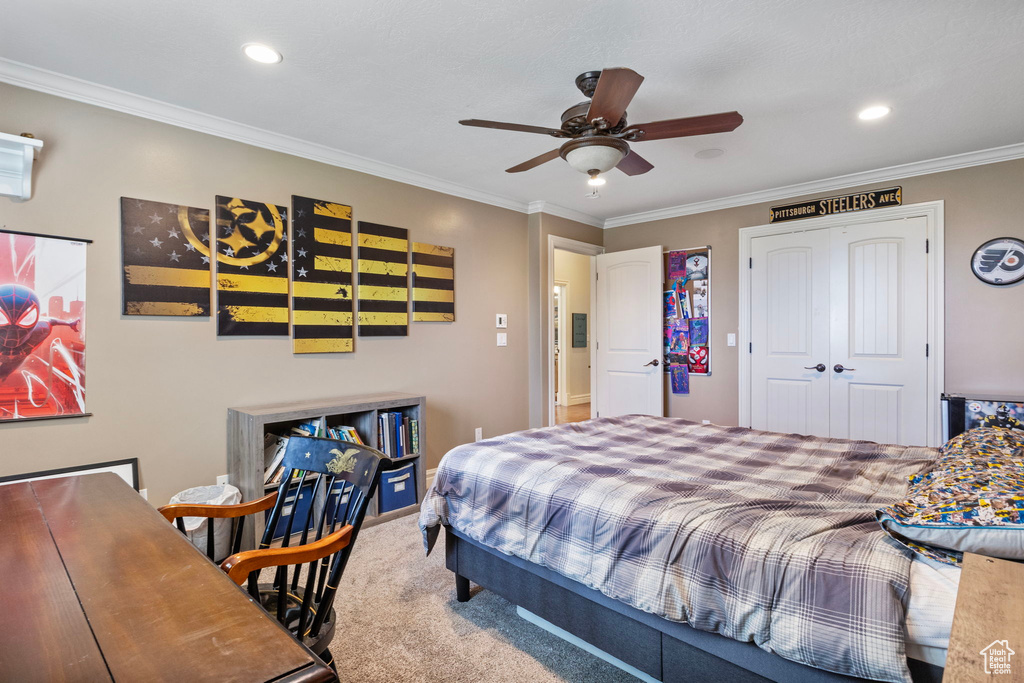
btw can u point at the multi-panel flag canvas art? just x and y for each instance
(321, 276)
(383, 280)
(165, 254)
(42, 327)
(251, 241)
(433, 283)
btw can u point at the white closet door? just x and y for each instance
(879, 332)
(790, 333)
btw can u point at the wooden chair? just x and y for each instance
(175, 514)
(344, 477)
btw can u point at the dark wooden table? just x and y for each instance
(96, 586)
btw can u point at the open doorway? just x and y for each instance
(571, 320)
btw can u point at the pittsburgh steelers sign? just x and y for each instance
(859, 201)
(999, 261)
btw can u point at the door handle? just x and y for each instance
(820, 367)
(653, 362)
(838, 367)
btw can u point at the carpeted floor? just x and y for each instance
(399, 622)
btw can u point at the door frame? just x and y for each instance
(563, 379)
(577, 247)
(933, 212)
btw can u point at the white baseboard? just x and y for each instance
(582, 644)
(578, 399)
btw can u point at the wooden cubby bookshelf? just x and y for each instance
(247, 427)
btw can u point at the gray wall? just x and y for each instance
(984, 324)
(159, 388)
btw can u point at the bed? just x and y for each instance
(699, 551)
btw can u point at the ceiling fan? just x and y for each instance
(597, 131)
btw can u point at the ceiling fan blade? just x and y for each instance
(536, 161)
(681, 128)
(634, 164)
(615, 90)
(523, 128)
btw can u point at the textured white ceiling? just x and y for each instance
(389, 80)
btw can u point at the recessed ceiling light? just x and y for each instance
(264, 54)
(709, 153)
(875, 112)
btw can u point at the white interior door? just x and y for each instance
(628, 321)
(839, 328)
(880, 332)
(789, 322)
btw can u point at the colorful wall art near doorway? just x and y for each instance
(42, 326)
(688, 313)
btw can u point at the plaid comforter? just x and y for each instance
(758, 536)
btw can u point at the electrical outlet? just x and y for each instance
(222, 479)
(478, 434)
(144, 493)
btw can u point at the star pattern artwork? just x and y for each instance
(252, 268)
(165, 255)
(321, 276)
(383, 280)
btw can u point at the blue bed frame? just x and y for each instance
(667, 651)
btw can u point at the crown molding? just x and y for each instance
(562, 212)
(69, 87)
(948, 163)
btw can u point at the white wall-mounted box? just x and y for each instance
(16, 156)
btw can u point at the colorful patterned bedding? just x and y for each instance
(971, 499)
(758, 536)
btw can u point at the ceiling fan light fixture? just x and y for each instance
(594, 155)
(596, 180)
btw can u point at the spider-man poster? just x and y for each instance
(42, 326)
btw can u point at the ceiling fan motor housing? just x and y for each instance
(587, 82)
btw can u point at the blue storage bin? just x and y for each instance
(397, 488)
(290, 508)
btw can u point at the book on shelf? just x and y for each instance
(343, 433)
(315, 427)
(273, 454)
(397, 434)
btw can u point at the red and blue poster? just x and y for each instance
(680, 376)
(42, 326)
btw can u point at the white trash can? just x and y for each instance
(195, 527)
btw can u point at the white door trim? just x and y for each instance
(562, 395)
(577, 247)
(933, 212)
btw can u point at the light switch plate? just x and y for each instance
(730, 339)
(501, 320)
(502, 339)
